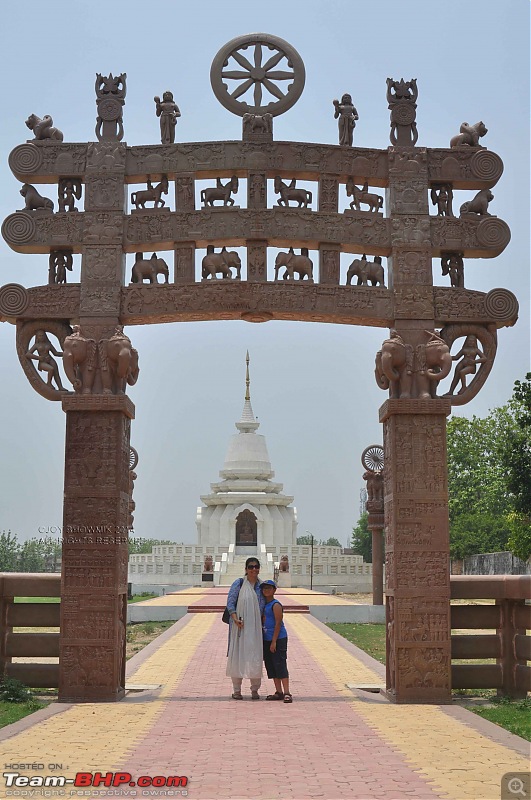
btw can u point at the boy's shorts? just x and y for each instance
(276, 663)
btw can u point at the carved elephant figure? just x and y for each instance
(433, 364)
(118, 361)
(394, 366)
(80, 360)
(412, 372)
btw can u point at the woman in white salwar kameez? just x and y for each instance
(245, 655)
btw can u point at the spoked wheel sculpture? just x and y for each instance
(372, 458)
(259, 70)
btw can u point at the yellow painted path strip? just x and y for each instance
(98, 736)
(459, 760)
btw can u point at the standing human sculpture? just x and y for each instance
(347, 116)
(42, 352)
(168, 111)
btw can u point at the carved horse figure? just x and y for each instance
(151, 195)
(374, 201)
(222, 262)
(149, 268)
(302, 265)
(220, 192)
(366, 271)
(288, 192)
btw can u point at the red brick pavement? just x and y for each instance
(318, 747)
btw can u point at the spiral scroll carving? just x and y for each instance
(493, 233)
(14, 300)
(486, 166)
(25, 158)
(18, 228)
(501, 304)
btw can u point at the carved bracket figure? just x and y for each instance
(366, 271)
(220, 192)
(442, 196)
(153, 194)
(223, 262)
(59, 262)
(402, 99)
(469, 135)
(110, 99)
(347, 116)
(80, 360)
(300, 264)
(374, 201)
(469, 357)
(69, 190)
(412, 372)
(34, 200)
(43, 128)
(478, 205)
(148, 269)
(168, 111)
(38, 355)
(288, 192)
(452, 264)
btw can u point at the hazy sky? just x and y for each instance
(312, 387)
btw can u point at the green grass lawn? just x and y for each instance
(12, 712)
(37, 599)
(513, 715)
(366, 636)
(137, 598)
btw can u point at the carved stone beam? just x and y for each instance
(464, 169)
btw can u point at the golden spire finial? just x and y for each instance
(247, 380)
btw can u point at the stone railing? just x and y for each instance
(29, 615)
(508, 643)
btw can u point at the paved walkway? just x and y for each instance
(332, 742)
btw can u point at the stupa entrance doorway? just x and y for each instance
(246, 529)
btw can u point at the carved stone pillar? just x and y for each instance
(184, 264)
(375, 524)
(100, 362)
(329, 267)
(417, 550)
(256, 189)
(328, 193)
(257, 260)
(95, 553)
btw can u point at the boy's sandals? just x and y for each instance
(237, 696)
(276, 696)
(288, 698)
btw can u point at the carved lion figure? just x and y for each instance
(479, 204)
(469, 135)
(43, 128)
(34, 199)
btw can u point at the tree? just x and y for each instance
(145, 545)
(489, 464)
(331, 542)
(306, 540)
(9, 549)
(31, 557)
(362, 538)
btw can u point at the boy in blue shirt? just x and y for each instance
(275, 644)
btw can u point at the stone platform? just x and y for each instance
(325, 607)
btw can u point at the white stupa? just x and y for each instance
(246, 508)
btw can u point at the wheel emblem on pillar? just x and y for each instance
(269, 66)
(372, 458)
(133, 458)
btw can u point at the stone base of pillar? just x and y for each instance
(417, 551)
